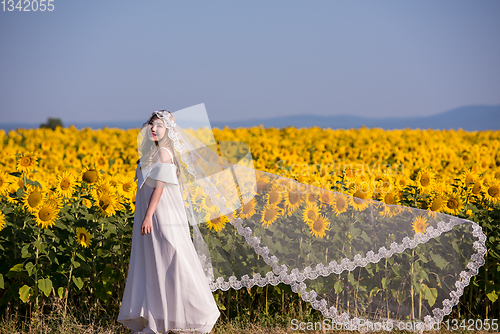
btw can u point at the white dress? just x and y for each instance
(166, 288)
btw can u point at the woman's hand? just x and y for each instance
(147, 225)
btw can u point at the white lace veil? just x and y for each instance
(357, 261)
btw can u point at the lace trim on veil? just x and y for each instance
(296, 277)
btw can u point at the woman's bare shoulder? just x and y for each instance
(165, 155)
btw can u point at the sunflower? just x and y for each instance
(4, 183)
(496, 174)
(311, 197)
(102, 186)
(326, 198)
(468, 178)
(90, 175)
(389, 210)
(215, 221)
(319, 226)
(248, 209)
(54, 199)
(83, 237)
(436, 203)
(87, 202)
(11, 193)
(310, 212)
(33, 198)
(274, 196)
(493, 193)
(477, 187)
(248, 190)
(453, 204)
(385, 183)
(207, 204)
(2, 221)
(359, 199)
(340, 203)
(401, 182)
(420, 224)
(27, 162)
(126, 188)
(101, 162)
(425, 180)
(86, 160)
(292, 199)
(269, 215)
(65, 185)
(262, 184)
(108, 203)
(46, 215)
(196, 197)
(389, 198)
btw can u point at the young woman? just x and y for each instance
(166, 288)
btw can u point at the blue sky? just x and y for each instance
(107, 60)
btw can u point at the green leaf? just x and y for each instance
(430, 294)
(101, 291)
(365, 237)
(219, 304)
(369, 269)
(52, 257)
(492, 291)
(76, 264)
(14, 270)
(439, 260)
(29, 268)
(351, 279)
(24, 293)
(374, 291)
(34, 183)
(385, 282)
(1, 282)
(60, 292)
(25, 251)
(38, 245)
(45, 285)
(339, 286)
(396, 269)
(78, 282)
(492, 295)
(20, 193)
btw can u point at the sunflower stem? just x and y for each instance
(411, 284)
(386, 291)
(420, 301)
(36, 272)
(69, 282)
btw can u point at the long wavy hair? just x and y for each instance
(152, 147)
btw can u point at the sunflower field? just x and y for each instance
(67, 206)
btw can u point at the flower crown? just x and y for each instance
(164, 115)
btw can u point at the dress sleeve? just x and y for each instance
(162, 172)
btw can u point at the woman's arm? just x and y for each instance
(147, 223)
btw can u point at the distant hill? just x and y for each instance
(469, 118)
